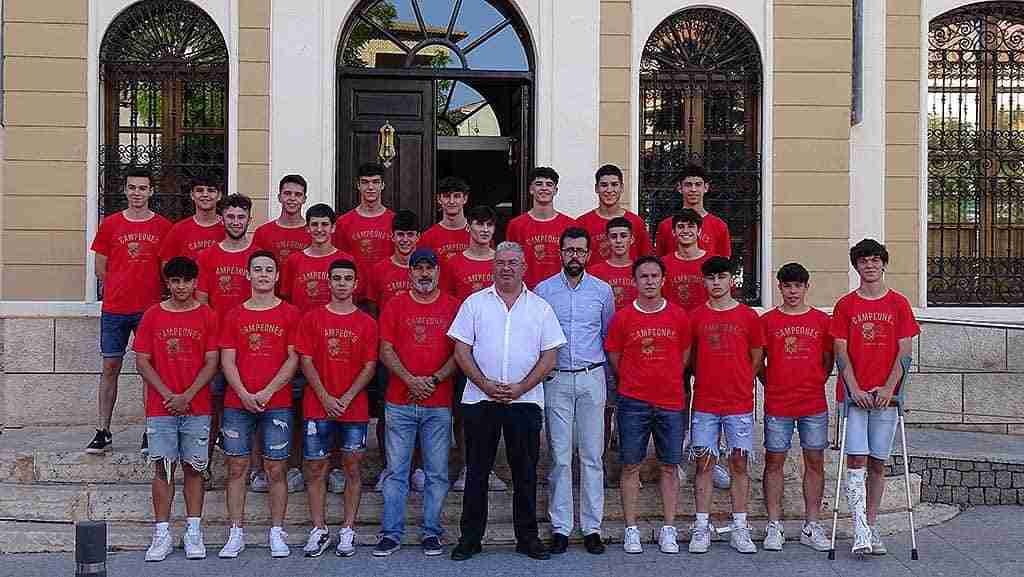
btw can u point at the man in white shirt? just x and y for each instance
(506, 342)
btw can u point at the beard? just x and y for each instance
(573, 269)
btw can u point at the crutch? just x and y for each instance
(840, 466)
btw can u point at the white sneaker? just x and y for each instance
(346, 542)
(631, 541)
(494, 483)
(194, 546)
(379, 485)
(278, 544)
(700, 538)
(258, 482)
(419, 480)
(720, 477)
(739, 539)
(667, 539)
(774, 536)
(336, 481)
(877, 546)
(460, 483)
(813, 536)
(235, 544)
(161, 547)
(295, 480)
(318, 542)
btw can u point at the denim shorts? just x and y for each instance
(870, 432)
(183, 439)
(778, 432)
(115, 329)
(739, 431)
(275, 429)
(638, 420)
(324, 436)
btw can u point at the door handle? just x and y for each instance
(386, 150)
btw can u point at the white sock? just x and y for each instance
(702, 520)
(739, 519)
(235, 528)
(163, 528)
(193, 524)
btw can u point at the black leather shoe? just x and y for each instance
(593, 544)
(464, 551)
(559, 543)
(534, 549)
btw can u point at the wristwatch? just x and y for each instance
(434, 380)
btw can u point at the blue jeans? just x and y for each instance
(325, 435)
(638, 420)
(179, 439)
(778, 432)
(275, 427)
(871, 431)
(706, 428)
(433, 426)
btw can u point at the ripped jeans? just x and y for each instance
(275, 428)
(739, 432)
(181, 439)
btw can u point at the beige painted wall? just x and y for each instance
(254, 103)
(615, 121)
(811, 183)
(44, 201)
(902, 145)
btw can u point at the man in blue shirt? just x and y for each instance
(574, 396)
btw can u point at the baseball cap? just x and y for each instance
(423, 254)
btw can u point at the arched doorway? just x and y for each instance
(700, 102)
(976, 156)
(164, 85)
(454, 79)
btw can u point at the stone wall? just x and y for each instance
(957, 482)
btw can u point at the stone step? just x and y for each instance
(36, 537)
(66, 502)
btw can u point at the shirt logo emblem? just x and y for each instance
(867, 331)
(133, 249)
(334, 347)
(255, 342)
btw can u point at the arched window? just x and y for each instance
(700, 102)
(976, 155)
(164, 81)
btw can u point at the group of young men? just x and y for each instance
(284, 344)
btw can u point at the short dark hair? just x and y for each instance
(482, 213)
(687, 215)
(261, 254)
(716, 265)
(452, 184)
(321, 210)
(345, 264)
(607, 170)
(405, 220)
(793, 272)
(618, 222)
(138, 172)
(542, 172)
(181, 267)
(574, 232)
(370, 169)
(203, 180)
(693, 170)
(236, 200)
(647, 259)
(866, 248)
(292, 179)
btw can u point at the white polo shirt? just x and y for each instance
(506, 342)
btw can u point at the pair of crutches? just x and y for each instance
(898, 399)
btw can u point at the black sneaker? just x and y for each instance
(100, 443)
(144, 449)
(385, 547)
(432, 546)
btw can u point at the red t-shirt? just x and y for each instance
(223, 277)
(340, 345)
(367, 239)
(652, 347)
(445, 242)
(188, 238)
(684, 282)
(260, 340)
(539, 239)
(620, 278)
(795, 377)
(714, 237)
(304, 279)
(280, 240)
(872, 330)
(724, 382)
(419, 334)
(600, 250)
(133, 282)
(177, 343)
(387, 281)
(462, 276)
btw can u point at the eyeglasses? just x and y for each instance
(575, 251)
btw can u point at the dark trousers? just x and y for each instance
(485, 423)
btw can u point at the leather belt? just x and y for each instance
(585, 369)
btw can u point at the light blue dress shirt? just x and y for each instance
(584, 313)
